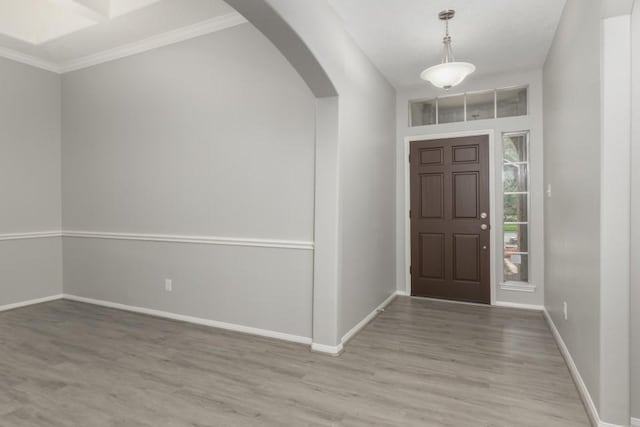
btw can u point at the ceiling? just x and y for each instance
(403, 37)
(61, 35)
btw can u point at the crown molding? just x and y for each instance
(34, 61)
(218, 23)
(209, 26)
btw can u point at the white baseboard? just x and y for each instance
(338, 349)
(194, 320)
(327, 349)
(520, 306)
(592, 411)
(364, 322)
(635, 422)
(30, 302)
(403, 293)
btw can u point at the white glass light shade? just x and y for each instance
(448, 74)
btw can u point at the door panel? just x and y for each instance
(432, 189)
(466, 254)
(432, 256)
(465, 190)
(465, 154)
(450, 254)
(431, 156)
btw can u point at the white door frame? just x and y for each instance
(492, 200)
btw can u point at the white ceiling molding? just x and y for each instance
(29, 60)
(218, 23)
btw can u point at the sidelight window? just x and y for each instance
(516, 204)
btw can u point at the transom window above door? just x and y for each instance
(470, 106)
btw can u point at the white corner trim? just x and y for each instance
(29, 60)
(518, 287)
(30, 302)
(31, 235)
(592, 411)
(635, 422)
(402, 293)
(204, 240)
(218, 23)
(364, 322)
(191, 319)
(520, 306)
(327, 349)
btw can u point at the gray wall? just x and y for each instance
(635, 218)
(209, 137)
(29, 182)
(367, 191)
(572, 167)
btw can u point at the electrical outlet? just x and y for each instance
(566, 312)
(168, 285)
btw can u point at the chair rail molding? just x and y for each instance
(29, 235)
(166, 238)
(203, 240)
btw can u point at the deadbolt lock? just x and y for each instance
(483, 215)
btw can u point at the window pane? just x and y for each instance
(451, 109)
(423, 113)
(515, 178)
(516, 238)
(515, 148)
(512, 102)
(481, 106)
(515, 208)
(515, 181)
(516, 268)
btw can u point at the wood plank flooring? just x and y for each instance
(420, 363)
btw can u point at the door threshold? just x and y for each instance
(478, 304)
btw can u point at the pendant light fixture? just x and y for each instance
(449, 73)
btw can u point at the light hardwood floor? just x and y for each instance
(420, 363)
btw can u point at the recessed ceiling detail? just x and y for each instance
(40, 21)
(65, 35)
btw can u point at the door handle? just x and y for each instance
(484, 227)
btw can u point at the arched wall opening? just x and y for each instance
(354, 268)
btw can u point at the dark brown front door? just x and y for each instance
(450, 254)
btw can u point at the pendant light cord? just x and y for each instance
(447, 54)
